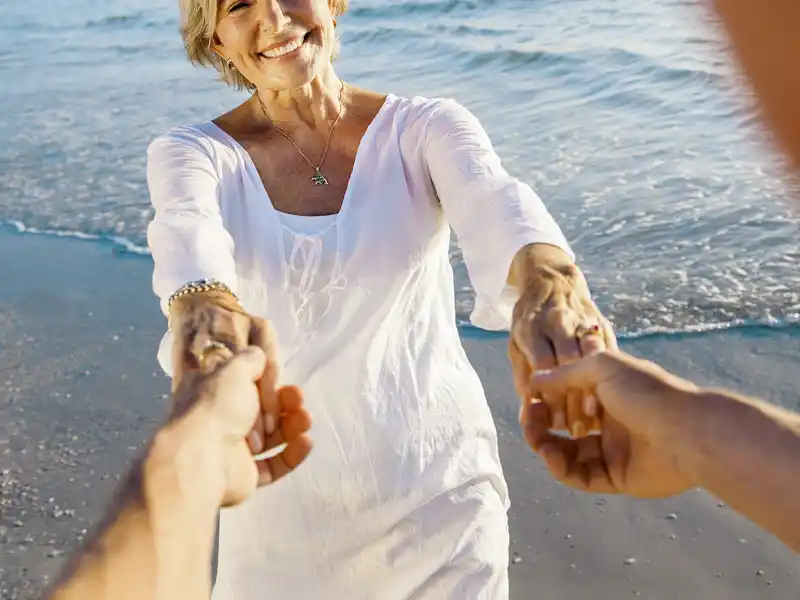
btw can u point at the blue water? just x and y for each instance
(627, 118)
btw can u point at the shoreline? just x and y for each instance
(81, 390)
(126, 248)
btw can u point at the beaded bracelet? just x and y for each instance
(202, 285)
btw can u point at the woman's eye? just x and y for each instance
(236, 6)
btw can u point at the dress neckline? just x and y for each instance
(306, 224)
(365, 139)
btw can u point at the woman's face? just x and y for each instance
(276, 44)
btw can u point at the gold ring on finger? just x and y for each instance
(585, 330)
(211, 347)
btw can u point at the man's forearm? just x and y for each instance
(766, 41)
(745, 452)
(157, 538)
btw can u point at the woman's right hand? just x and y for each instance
(643, 412)
(214, 316)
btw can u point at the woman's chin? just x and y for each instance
(289, 76)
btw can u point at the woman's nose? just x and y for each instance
(271, 16)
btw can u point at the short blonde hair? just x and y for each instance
(198, 26)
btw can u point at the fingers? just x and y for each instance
(560, 326)
(272, 469)
(535, 420)
(255, 439)
(295, 422)
(574, 335)
(294, 419)
(581, 377)
(554, 450)
(590, 475)
(225, 326)
(544, 354)
(599, 337)
(577, 463)
(591, 338)
(249, 364)
(520, 369)
(610, 337)
(184, 361)
(550, 344)
(208, 323)
(290, 398)
(577, 420)
(262, 335)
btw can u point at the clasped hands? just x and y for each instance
(619, 413)
(568, 372)
(225, 379)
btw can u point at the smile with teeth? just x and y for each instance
(285, 49)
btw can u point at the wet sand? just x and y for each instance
(80, 391)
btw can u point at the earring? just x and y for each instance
(334, 23)
(230, 65)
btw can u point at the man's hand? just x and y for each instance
(219, 408)
(214, 317)
(640, 423)
(156, 540)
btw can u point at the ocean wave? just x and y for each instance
(399, 10)
(754, 325)
(138, 20)
(383, 34)
(115, 20)
(121, 245)
(135, 21)
(659, 69)
(646, 69)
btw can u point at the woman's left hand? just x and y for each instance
(556, 322)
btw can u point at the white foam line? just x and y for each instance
(689, 329)
(122, 243)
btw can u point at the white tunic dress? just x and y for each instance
(403, 495)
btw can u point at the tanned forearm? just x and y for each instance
(532, 257)
(765, 39)
(746, 453)
(157, 538)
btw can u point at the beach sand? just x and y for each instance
(80, 391)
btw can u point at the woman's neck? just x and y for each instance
(315, 105)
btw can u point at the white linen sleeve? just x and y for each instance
(493, 214)
(186, 236)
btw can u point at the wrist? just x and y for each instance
(182, 495)
(703, 417)
(181, 463)
(185, 305)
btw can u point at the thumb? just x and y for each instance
(583, 375)
(263, 336)
(249, 363)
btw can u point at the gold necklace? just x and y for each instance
(318, 178)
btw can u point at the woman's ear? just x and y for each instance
(216, 47)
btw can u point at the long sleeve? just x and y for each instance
(493, 214)
(187, 237)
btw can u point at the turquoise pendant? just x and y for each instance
(319, 178)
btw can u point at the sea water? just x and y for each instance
(628, 118)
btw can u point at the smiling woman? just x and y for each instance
(198, 29)
(327, 209)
